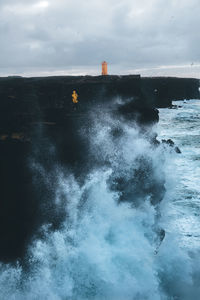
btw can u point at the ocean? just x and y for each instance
(109, 246)
(182, 125)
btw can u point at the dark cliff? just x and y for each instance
(39, 122)
(27, 100)
(167, 89)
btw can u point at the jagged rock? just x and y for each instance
(170, 143)
(177, 149)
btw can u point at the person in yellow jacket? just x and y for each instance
(75, 97)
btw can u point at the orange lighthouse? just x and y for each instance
(104, 68)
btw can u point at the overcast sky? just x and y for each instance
(151, 37)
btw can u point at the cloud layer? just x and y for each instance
(74, 36)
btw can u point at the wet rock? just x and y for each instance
(168, 142)
(171, 144)
(177, 149)
(175, 106)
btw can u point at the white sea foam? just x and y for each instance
(106, 248)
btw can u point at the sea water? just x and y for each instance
(182, 125)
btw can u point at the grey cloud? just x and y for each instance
(130, 34)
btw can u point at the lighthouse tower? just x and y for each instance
(104, 68)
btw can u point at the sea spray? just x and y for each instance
(105, 246)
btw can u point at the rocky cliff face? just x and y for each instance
(40, 125)
(163, 90)
(24, 101)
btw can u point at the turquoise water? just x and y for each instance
(182, 125)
